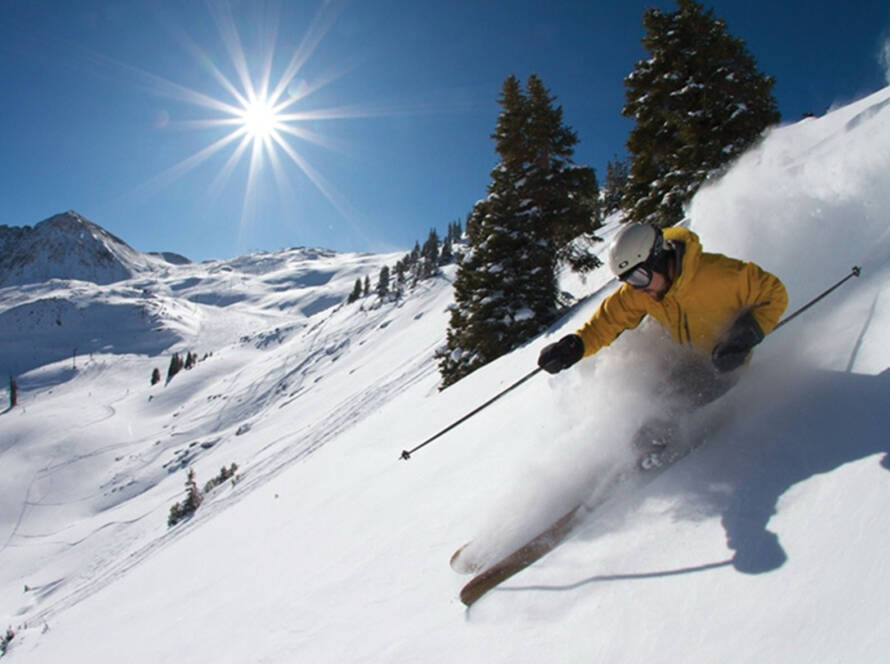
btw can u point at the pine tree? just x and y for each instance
(617, 173)
(356, 292)
(562, 198)
(538, 201)
(192, 501)
(175, 367)
(446, 255)
(430, 255)
(193, 498)
(383, 281)
(698, 103)
(454, 232)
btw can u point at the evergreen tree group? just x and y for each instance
(5, 640)
(224, 475)
(422, 262)
(698, 102)
(539, 204)
(176, 365)
(193, 495)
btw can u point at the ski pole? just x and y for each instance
(406, 454)
(855, 272)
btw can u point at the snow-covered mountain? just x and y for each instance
(767, 544)
(154, 303)
(66, 246)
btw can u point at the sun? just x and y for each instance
(260, 119)
(257, 117)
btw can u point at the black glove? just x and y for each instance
(562, 354)
(734, 347)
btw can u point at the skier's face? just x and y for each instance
(657, 287)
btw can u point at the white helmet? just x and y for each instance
(633, 245)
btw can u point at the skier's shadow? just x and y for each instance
(832, 419)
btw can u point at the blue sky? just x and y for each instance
(106, 106)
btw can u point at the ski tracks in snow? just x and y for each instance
(276, 455)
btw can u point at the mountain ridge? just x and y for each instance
(69, 287)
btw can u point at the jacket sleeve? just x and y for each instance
(621, 311)
(767, 297)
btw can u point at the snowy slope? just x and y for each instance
(767, 544)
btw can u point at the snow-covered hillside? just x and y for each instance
(766, 544)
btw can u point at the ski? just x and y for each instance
(536, 548)
(648, 467)
(533, 550)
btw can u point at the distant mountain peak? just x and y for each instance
(66, 246)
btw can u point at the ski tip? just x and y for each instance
(455, 558)
(469, 597)
(463, 564)
(477, 587)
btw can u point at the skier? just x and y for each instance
(719, 307)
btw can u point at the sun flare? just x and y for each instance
(263, 119)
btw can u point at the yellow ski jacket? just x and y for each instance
(707, 295)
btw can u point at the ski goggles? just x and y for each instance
(638, 276)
